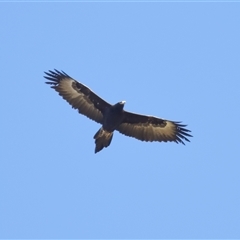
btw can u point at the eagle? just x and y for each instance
(113, 117)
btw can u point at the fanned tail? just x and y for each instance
(103, 139)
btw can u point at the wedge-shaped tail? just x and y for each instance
(103, 139)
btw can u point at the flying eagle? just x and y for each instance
(113, 117)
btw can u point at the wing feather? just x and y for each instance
(149, 128)
(77, 95)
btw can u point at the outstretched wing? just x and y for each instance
(77, 95)
(149, 128)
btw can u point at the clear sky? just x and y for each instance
(179, 61)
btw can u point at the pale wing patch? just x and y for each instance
(78, 100)
(150, 132)
(168, 133)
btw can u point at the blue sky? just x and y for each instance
(178, 61)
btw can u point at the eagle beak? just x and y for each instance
(123, 102)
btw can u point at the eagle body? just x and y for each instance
(113, 117)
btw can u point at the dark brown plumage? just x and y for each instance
(113, 117)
